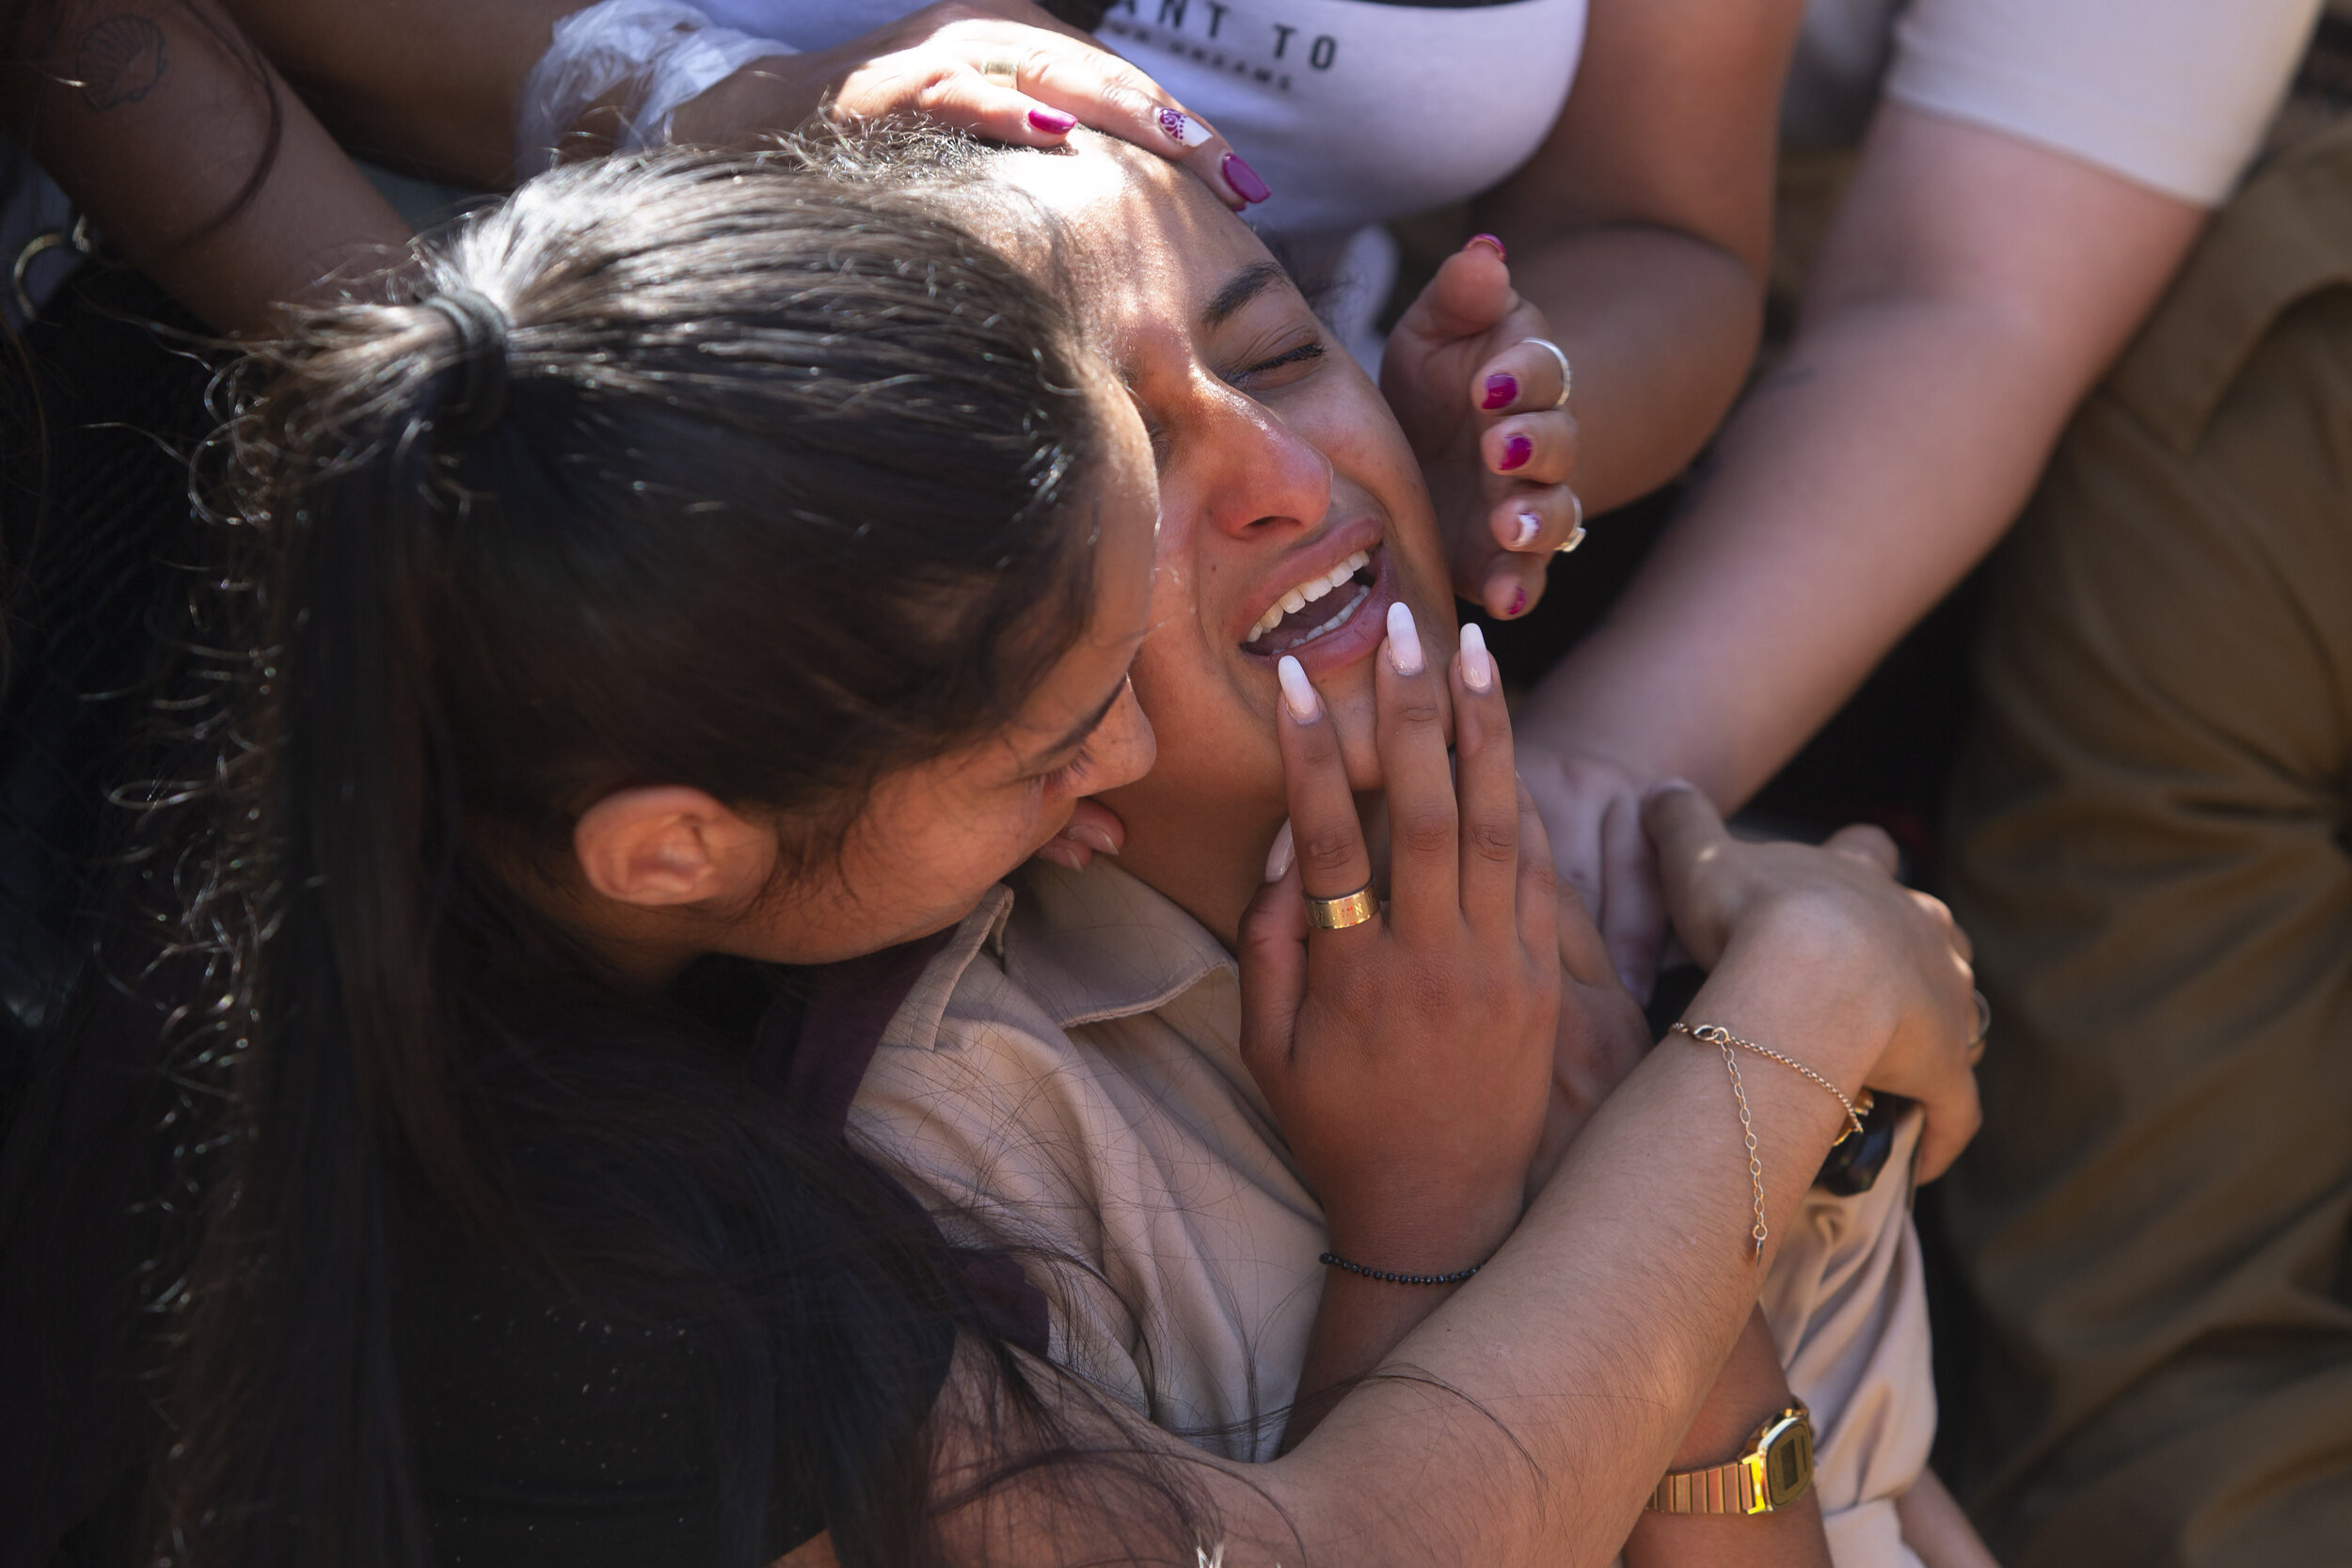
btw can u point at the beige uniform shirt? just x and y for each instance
(1067, 1078)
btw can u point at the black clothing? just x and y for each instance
(546, 1430)
(544, 1427)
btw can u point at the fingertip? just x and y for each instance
(1476, 664)
(1507, 596)
(1051, 122)
(1282, 856)
(1298, 692)
(1665, 787)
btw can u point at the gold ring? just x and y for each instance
(1567, 377)
(1003, 68)
(1576, 535)
(1338, 914)
(1985, 1028)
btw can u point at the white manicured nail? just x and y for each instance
(1529, 525)
(1278, 860)
(1298, 693)
(1478, 665)
(1404, 641)
(1183, 129)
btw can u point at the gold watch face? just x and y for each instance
(1787, 1460)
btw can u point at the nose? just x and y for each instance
(1254, 471)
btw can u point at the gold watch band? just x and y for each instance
(1775, 1471)
(1726, 1489)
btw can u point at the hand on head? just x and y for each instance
(1006, 70)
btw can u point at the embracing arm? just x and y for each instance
(1583, 1348)
(387, 76)
(175, 135)
(1528, 1417)
(1972, 289)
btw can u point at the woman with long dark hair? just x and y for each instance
(723, 566)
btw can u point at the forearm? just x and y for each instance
(388, 74)
(1972, 289)
(1753, 1388)
(1585, 1349)
(1849, 494)
(1660, 328)
(193, 159)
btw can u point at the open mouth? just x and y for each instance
(1315, 608)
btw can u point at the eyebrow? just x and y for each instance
(1240, 288)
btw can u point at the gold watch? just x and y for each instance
(1775, 1471)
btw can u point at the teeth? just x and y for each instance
(1307, 592)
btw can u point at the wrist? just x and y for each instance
(1424, 1235)
(1795, 968)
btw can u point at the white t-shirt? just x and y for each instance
(1354, 112)
(2173, 94)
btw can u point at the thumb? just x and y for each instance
(1470, 294)
(1683, 824)
(1273, 972)
(1689, 834)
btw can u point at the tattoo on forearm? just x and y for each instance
(119, 61)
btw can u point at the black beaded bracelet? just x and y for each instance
(1333, 1260)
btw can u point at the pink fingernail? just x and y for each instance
(1519, 604)
(1478, 665)
(1503, 389)
(1501, 254)
(1185, 131)
(1298, 692)
(1529, 526)
(1244, 180)
(1516, 452)
(1091, 836)
(1052, 121)
(1278, 860)
(1404, 641)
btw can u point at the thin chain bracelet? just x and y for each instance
(1747, 1130)
(1333, 1260)
(1716, 1034)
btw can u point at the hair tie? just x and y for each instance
(480, 324)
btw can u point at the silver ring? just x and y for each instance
(1576, 535)
(1567, 377)
(1003, 68)
(1985, 1028)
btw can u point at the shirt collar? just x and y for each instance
(1083, 945)
(1098, 944)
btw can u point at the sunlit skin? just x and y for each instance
(662, 874)
(1278, 460)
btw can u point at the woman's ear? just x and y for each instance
(667, 845)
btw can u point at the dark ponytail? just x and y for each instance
(722, 471)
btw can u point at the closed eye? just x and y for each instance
(1069, 778)
(1303, 352)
